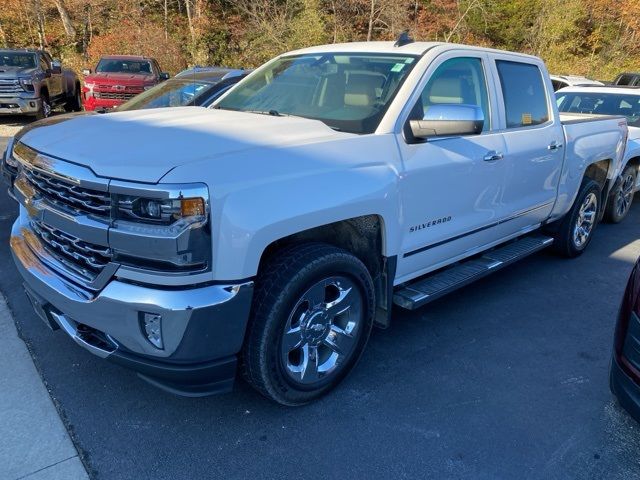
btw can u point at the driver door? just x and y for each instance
(451, 187)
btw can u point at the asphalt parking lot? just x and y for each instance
(507, 378)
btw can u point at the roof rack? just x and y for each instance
(403, 39)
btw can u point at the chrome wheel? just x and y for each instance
(46, 109)
(625, 195)
(321, 332)
(586, 220)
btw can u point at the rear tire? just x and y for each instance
(620, 199)
(576, 228)
(74, 104)
(311, 317)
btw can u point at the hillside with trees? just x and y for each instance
(597, 38)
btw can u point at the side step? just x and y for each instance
(427, 289)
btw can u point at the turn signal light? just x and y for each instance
(191, 207)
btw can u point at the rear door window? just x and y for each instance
(525, 97)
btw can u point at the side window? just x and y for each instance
(525, 98)
(44, 64)
(624, 80)
(459, 81)
(557, 85)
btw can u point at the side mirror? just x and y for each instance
(56, 67)
(86, 72)
(164, 76)
(446, 120)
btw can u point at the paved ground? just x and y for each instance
(10, 125)
(505, 379)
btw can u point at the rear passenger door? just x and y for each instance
(534, 149)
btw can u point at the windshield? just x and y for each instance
(601, 104)
(22, 60)
(109, 65)
(172, 93)
(348, 92)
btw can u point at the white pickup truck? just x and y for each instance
(274, 229)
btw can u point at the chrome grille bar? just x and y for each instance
(79, 256)
(62, 193)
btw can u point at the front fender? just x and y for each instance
(265, 195)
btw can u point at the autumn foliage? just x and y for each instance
(598, 38)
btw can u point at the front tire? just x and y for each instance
(620, 199)
(312, 315)
(576, 228)
(45, 107)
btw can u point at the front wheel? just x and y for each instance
(74, 104)
(621, 197)
(45, 107)
(311, 318)
(576, 228)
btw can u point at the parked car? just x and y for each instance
(625, 364)
(627, 79)
(32, 83)
(611, 100)
(280, 224)
(562, 81)
(194, 87)
(118, 78)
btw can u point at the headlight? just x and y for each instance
(27, 84)
(160, 211)
(88, 89)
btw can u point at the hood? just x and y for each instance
(144, 145)
(120, 78)
(15, 72)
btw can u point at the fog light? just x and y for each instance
(32, 104)
(152, 325)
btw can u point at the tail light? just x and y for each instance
(629, 308)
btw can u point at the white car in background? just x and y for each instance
(563, 81)
(619, 101)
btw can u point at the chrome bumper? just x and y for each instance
(198, 324)
(19, 106)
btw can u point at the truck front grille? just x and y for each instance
(83, 258)
(114, 95)
(10, 87)
(67, 195)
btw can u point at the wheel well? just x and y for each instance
(598, 172)
(44, 91)
(361, 236)
(634, 161)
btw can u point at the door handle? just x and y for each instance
(493, 156)
(554, 146)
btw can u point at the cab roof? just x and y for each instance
(413, 48)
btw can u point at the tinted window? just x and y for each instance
(22, 60)
(524, 94)
(107, 65)
(172, 93)
(458, 81)
(557, 84)
(601, 104)
(624, 80)
(347, 91)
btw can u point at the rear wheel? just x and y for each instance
(576, 228)
(74, 104)
(311, 318)
(621, 197)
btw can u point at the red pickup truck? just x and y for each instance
(117, 79)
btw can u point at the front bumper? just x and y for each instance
(91, 104)
(19, 106)
(202, 328)
(625, 389)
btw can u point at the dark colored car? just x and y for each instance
(625, 365)
(119, 78)
(194, 87)
(630, 79)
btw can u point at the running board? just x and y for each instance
(427, 289)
